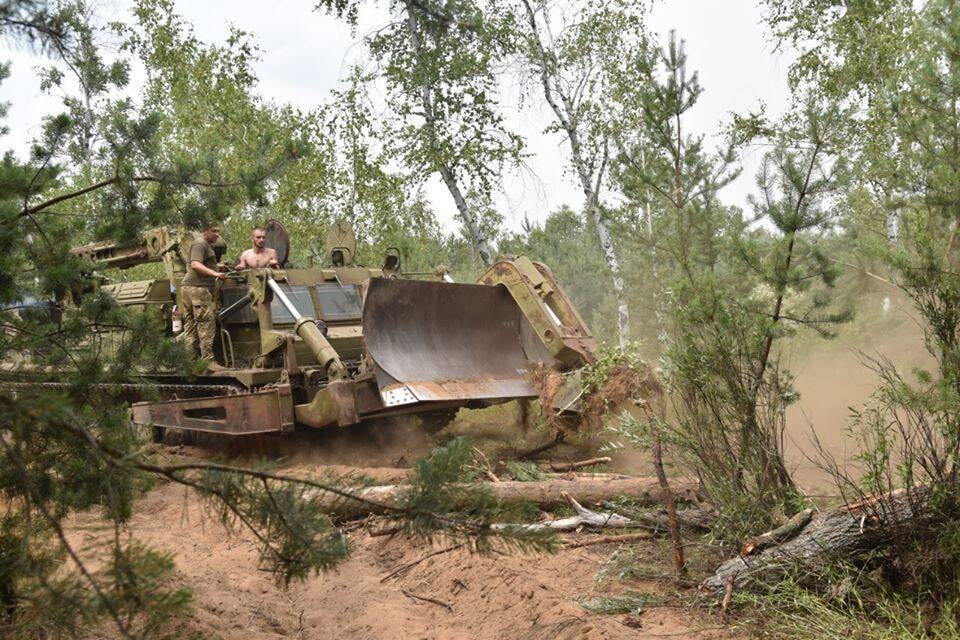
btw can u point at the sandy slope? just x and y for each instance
(493, 597)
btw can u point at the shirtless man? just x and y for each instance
(258, 256)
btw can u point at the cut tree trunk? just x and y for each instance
(845, 532)
(546, 493)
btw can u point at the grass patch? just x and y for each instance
(633, 602)
(844, 603)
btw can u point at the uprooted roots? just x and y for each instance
(622, 383)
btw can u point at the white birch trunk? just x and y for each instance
(893, 225)
(466, 216)
(610, 257)
(591, 194)
(447, 174)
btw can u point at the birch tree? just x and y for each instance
(572, 69)
(439, 63)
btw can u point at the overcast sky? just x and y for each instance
(306, 53)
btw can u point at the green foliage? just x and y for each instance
(594, 375)
(181, 155)
(843, 601)
(438, 63)
(890, 71)
(525, 471)
(726, 289)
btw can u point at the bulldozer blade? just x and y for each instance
(437, 341)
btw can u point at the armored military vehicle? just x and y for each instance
(338, 343)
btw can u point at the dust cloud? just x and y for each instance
(831, 377)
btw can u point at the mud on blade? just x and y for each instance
(437, 341)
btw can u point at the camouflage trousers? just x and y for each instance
(199, 322)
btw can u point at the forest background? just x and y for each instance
(856, 199)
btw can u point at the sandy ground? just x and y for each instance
(490, 597)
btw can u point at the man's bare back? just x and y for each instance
(259, 256)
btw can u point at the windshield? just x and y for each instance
(339, 303)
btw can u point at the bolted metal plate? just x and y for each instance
(396, 396)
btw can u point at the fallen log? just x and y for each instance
(845, 531)
(572, 475)
(545, 493)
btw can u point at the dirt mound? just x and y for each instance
(490, 597)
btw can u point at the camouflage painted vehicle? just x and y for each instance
(333, 345)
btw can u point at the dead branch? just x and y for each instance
(406, 567)
(573, 466)
(584, 518)
(728, 594)
(445, 605)
(485, 465)
(696, 518)
(626, 537)
(779, 535)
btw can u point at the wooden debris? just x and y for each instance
(573, 466)
(441, 603)
(842, 532)
(485, 465)
(545, 493)
(779, 535)
(584, 518)
(728, 594)
(626, 537)
(572, 475)
(695, 518)
(386, 531)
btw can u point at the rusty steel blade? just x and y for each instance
(444, 341)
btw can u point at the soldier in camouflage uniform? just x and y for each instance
(199, 321)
